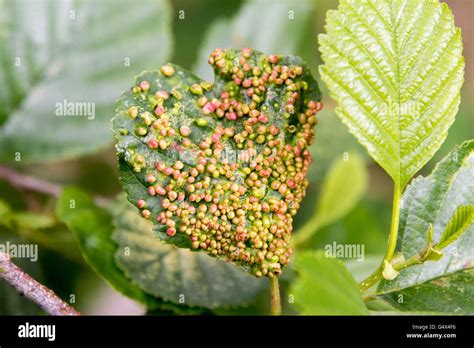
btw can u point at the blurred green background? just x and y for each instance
(85, 59)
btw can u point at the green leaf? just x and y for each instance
(395, 68)
(460, 130)
(325, 287)
(266, 25)
(216, 169)
(4, 209)
(333, 141)
(92, 227)
(143, 268)
(461, 220)
(31, 220)
(80, 52)
(432, 201)
(342, 189)
(450, 294)
(176, 275)
(5, 214)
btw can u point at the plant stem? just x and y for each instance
(414, 260)
(23, 181)
(275, 300)
(376, 276)
(306, 231)
(33, 290)
(27, 182)
(372, 279)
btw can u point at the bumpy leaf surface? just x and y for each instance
(176, 275)
(266, 25)
(395, 68)
(221, 167)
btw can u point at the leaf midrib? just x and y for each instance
(395, 88)
(406, 159)
(397, 55)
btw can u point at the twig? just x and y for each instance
(31, 289)
(23, 181)
(27, 182)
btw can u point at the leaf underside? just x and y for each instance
(395, 68)
(221, 167)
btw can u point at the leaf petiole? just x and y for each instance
(392, 238)
(377, 275)
(275, 300)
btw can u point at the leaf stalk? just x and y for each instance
(275, 300)
(376, 276)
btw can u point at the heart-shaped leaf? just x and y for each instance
(221, 167)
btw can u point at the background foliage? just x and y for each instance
(86, 59)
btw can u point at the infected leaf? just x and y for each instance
(221, 167)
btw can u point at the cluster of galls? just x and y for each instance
(237, 197)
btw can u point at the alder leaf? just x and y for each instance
(395, 68)
(342, 188)
(92, 227)
(61, 63)
(461, 220)
(176, 275)
(221, 167)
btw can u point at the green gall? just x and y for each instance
(201, 122)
